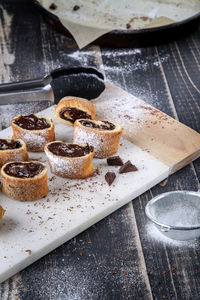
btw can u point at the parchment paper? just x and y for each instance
(94, 18)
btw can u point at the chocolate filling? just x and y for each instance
(72, 114)
(7, 145)
(32, 122)
(23, 170)
(105, 125)
(69, 150)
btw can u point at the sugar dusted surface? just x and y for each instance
(17, 155)
(152, 233)
(63, 165)
(71, 206)
(129, 116)
(34, 140)
(83, 135)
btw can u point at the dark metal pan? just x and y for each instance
(132, 38)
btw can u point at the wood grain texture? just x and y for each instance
(106, 272)
(171, 274)
(168, 140)
(106, 261)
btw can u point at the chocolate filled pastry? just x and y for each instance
(70, 160)
(12, 150)
(35, 131)
(69, 109)
(103, 135)
(25, 181)
(2, 211)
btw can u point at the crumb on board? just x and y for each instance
(53, 6)
(76, 7)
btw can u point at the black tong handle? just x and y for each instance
(47, 79)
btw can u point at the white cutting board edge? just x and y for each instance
(19, 260)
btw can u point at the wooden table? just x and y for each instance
(118, 258)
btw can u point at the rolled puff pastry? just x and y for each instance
(11, 150)
(69, 109)
(2, 211)
(35, 136)
(104, 136)
(70, 160)
(25, 181)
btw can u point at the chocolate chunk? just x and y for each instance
(76, 7)
(114, 161)
(110, 177)
(128, 167)
(53, 6)
(128, 26)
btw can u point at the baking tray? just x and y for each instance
(132, 38)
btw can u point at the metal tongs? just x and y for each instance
(80, 82)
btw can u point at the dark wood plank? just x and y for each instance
(182, 75)
(112, 265)
(34, 49)
(170, 276)
(110, 260)
(170, 272)
(138, 72)
(21, 44)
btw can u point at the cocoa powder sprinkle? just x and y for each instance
(28, 251)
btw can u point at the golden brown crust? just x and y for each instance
(25, 189)
(19, 154)
(35, 139)
(2, 211)
(70, 167)
(105, 142)
(79, 103)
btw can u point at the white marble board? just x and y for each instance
(29, 230)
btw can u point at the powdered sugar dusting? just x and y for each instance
(153, 233)
(134, 55)
(103, 144)
(135, 116)
(66, 167)
(82, 136)
(138, 62)
(19, 108)
(17, 155)
(71, 205)
(34, 140)
(122, 109)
